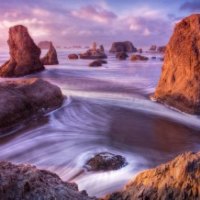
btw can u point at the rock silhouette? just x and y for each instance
(126, 46)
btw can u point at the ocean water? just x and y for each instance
(105, 109)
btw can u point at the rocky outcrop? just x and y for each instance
(44, 44)
(139, 50)
(161, 49)
(137, 57)
(97, 63)
(105, 162)
(153, 48)
(51, 57)
(73, 56)
(122, 55)
(126, 46)
(23, 98)
(178, 179)
(179, 84)
(24, 54)
(26, 182)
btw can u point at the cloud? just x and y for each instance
(193, 6)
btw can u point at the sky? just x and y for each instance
(81, 22)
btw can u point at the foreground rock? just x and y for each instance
(122, 55)
(23, 98)
(126, 46)
(26, 182)
(138, 57)
(105, 162)
(44, 44)
(73, 56)
(175, 180)
(51, 57)
(179, 84)
(24, 54)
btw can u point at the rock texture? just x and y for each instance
(122, 55)
(23, 98)
(138, 57)
(44, 44)
(24, 54)
(178, 179)
(179, 84)
(126, 46)
(105, 162)
(26, 182)
(51, 57)
(73, 56)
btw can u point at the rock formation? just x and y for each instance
(73, 56)
(105, 162)
(153, 48)
(178, 179)
(161, 49)
(122, 55)
(137, 57)
(97, 63)
(123, 47)
(26, 182)
(22, 98)
(24, 54)
(51, 57)
(179, 84)
(139, 50)
(44, 44)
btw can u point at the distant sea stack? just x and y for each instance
(24, 54)
(126, 46)
(51, 57)
(179, 84)
(44, 44)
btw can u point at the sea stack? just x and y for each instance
(179, 84)
(51, 57)
(24, 54)
(126, 46)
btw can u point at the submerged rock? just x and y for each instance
(179, 84)
(105, 162)
(23, 98)
(24, 54)
(122, 55)
(178, 179)
(51, 57)
(138, 57)
(126, 46)
(73, 56)
(26, 182)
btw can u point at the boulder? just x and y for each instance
(21, 99)
(24, 54)
(137, 57)
(51, 57)
(73, 56)
(161, 49)
(122, 55)
(105, 162)
(178, 179)
(153, 48)
(126, 46)
(96, 63)
(44, 44)
(179, 84)
(26, 182)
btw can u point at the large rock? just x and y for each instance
(123, 47)
(138, 57)
(26, 182)
(178, 179)
(44, 44)
(22, 98)
(179, 84)
(24, 54)
(51, 57)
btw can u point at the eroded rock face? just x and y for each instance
(179, 84)
(24, 54)
(22, 98)
(51, 57)
(105, 162)
(123, 47)
(138, 57)
(26, 182)
(178, 179)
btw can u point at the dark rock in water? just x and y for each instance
(122, 55)
(153, 57)
(21, 99)
(162, 59)
(96, 63)
(178, 179)
(138, 57)
(179, 84)
(123, 47)
(44, 44)
(102, 48)
(73, 56)
(105, 162)
(51, 57)
(161, 49)
(24, 54)
(26, 182)
(153, 48)
(140, 51)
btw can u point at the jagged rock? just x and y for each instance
(21, 99)
(179, 84)
(51, 57)
(24, 54)
(44, 44)
(153, 48)
(73, 56)
(26, 182)
(122, 55)
(178, 179)
(105, 162)
(137, 57)
(123, 47)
